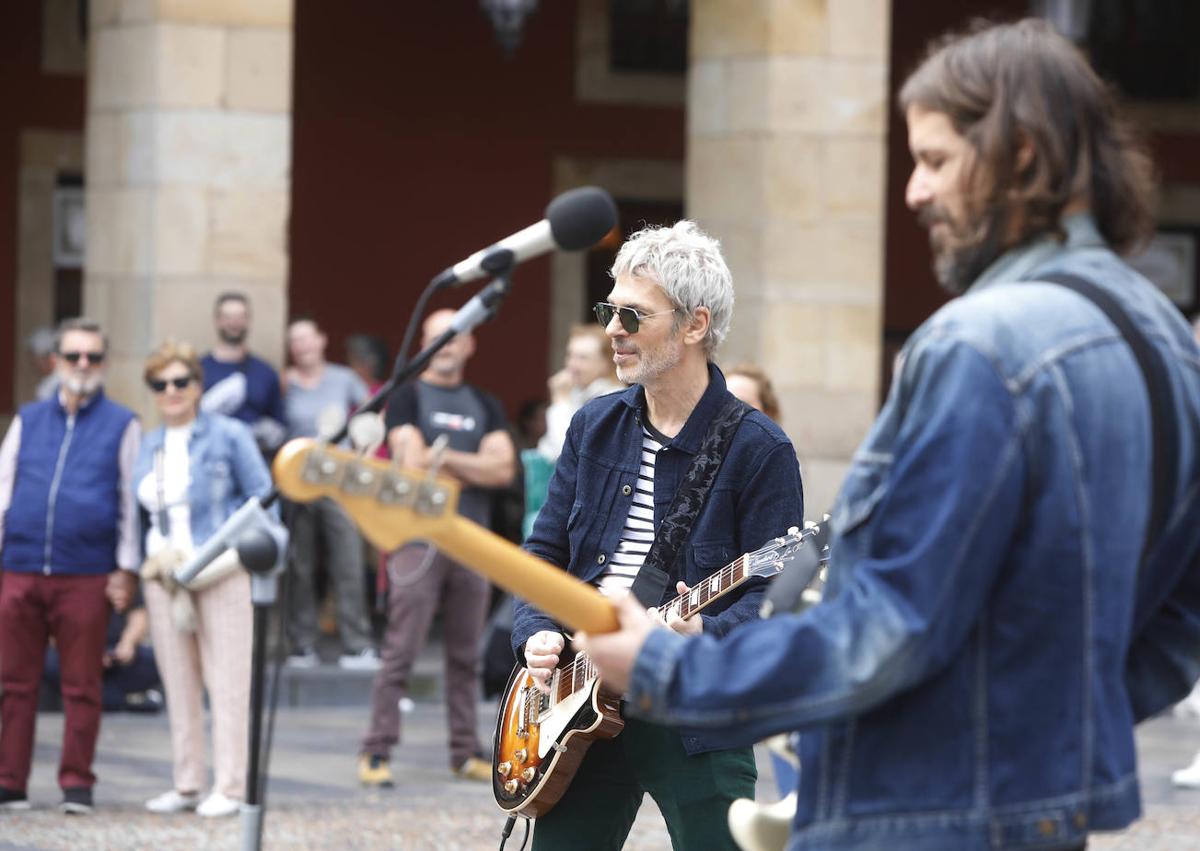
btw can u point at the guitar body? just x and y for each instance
(539, 744)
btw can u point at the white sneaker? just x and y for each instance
(217, 805)
(173, 801)
(366, 659)
(1188, 778)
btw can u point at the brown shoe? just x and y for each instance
(374, 771)
(474, 768)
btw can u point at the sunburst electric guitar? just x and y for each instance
(541, 738)
(392, 506)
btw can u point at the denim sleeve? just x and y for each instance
(771, 502)
(930, 547)
(251, 472)
(548, 539)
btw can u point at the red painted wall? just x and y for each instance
(31, 100)
(416, 142)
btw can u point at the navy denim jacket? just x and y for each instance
(986, 643)
(756, 496)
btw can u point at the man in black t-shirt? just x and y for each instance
(481, 456)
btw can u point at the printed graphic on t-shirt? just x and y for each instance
(452, 422)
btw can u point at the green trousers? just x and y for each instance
(693, 793)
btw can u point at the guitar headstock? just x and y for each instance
(390, 505)
(778, 553)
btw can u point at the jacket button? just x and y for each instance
(627, 490)
(600, 559)
(1081, 820)
(1046, 827)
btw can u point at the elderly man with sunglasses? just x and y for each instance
(625, 456)
(69, 549)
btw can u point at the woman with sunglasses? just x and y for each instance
(191, 474)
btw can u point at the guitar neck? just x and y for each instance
(708, 590)
(582, 670)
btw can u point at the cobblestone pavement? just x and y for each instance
(314, 800)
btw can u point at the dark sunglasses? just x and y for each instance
(630, 319)
(159, 385)
(75, 357)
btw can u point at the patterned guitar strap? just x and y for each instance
(676, 524)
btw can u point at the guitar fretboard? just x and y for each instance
(581, 671)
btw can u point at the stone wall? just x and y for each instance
(188, 172)
(787, 119)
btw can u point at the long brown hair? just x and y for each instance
(1007, 85)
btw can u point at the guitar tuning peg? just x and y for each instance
(329, 422)
(793, 530)
(366, 432)
(437, 452)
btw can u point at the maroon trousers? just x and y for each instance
(74, 611)
(414, 596)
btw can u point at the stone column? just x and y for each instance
(787, 123)
(188, 171)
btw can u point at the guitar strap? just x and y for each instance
(1164, 427)
(676, 524)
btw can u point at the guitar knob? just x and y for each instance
(529, 774)
(510, 787)
(521, 755)
(504, 769)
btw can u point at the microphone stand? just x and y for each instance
(262, 544)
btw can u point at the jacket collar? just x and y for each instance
(87, 405)
(693, 431)
(1020, 263)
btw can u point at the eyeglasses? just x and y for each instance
(630, 318)
(159, 385)
(75, 357)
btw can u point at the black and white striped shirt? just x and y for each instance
(638, 534)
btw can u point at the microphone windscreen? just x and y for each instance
(581, 217)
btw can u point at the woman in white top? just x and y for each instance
(191, 474)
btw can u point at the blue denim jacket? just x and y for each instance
(986, 643)
(756, 496)
(226, 469)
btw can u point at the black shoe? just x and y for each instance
(77, 801)
(11, 801)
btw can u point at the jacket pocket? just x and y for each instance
(707, 558)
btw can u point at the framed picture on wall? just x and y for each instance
(1169, 261)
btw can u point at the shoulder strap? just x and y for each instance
(1164, 428)
(651, 580)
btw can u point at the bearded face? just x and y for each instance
(963, 238)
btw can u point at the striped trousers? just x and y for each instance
(215, 657)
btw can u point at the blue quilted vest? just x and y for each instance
(66, 495)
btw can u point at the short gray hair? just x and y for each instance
(687, 263)
(78, 323)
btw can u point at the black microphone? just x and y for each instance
(575, 220)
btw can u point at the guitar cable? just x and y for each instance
(508, 829)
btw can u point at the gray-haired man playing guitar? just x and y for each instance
(625, 456)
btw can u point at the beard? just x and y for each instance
(965, 249)
(232, 338)
(650, 364)
(83, 385)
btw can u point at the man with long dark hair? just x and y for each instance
(1013, 580)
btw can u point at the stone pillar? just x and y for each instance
(787, 123)
(188, 171)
